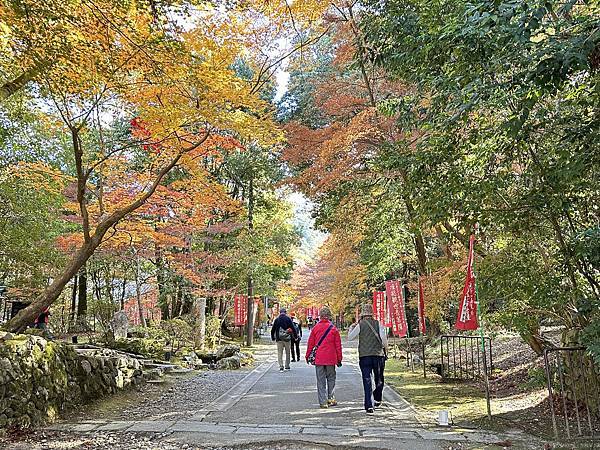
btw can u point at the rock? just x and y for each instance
(227, 351)
(230, 363)
(6, 336)
(86, 366)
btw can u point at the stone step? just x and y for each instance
(163, 367)
(153, 374)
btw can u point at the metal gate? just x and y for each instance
(573, 381)
(463, 358)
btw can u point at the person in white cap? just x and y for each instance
(372, 351)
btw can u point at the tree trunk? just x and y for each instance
(82, 298)
(419, 243)
(73, 301)
(444, 242)
(123, 292)
(201, 323)
(250, 303)
(138, 293)
(217, 307)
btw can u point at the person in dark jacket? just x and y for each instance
(41, 322)
(296, 342)
(283, 332)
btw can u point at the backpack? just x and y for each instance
(284, 335)
(296, 329)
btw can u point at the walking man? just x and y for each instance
(296, 342)
(283, 332)
(372, 350)
(324, 350)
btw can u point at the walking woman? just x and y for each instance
(372, 349)
(324, 351)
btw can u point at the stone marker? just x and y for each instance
(227, 350)
(119, 325)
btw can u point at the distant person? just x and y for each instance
(41, 322)
(296, 342)
(283, 332)
(372, 351)
(309, 323)
(324, 350)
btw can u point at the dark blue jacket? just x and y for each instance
(284, 322)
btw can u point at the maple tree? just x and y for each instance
(180, 94)
(460, 100)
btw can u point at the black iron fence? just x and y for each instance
(464, 357)
(573, 381)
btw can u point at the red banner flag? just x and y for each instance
(394, 294)
(240, 310)
(467, 309)
(379, 306)
(422, 328)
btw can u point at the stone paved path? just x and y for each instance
(269, 408)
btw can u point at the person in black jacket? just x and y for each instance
(283, 333)
(296, 342)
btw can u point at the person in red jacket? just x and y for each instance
(326, 337)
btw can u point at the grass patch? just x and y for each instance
(466, 402)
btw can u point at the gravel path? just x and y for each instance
(182, 398)
(177, 398)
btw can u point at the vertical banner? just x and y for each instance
(394, 293)
(422, 328)
(275, 310)
(357, 313)
(379, 306)
(467, 309)
(240, 310)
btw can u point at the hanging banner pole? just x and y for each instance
(482, 335)
(409, 359)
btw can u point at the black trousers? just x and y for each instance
(372, 368)
(296, 350)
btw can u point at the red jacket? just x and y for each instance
(330, 351)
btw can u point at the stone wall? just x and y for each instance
(39, 378)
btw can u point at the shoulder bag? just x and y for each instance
(312, 357)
